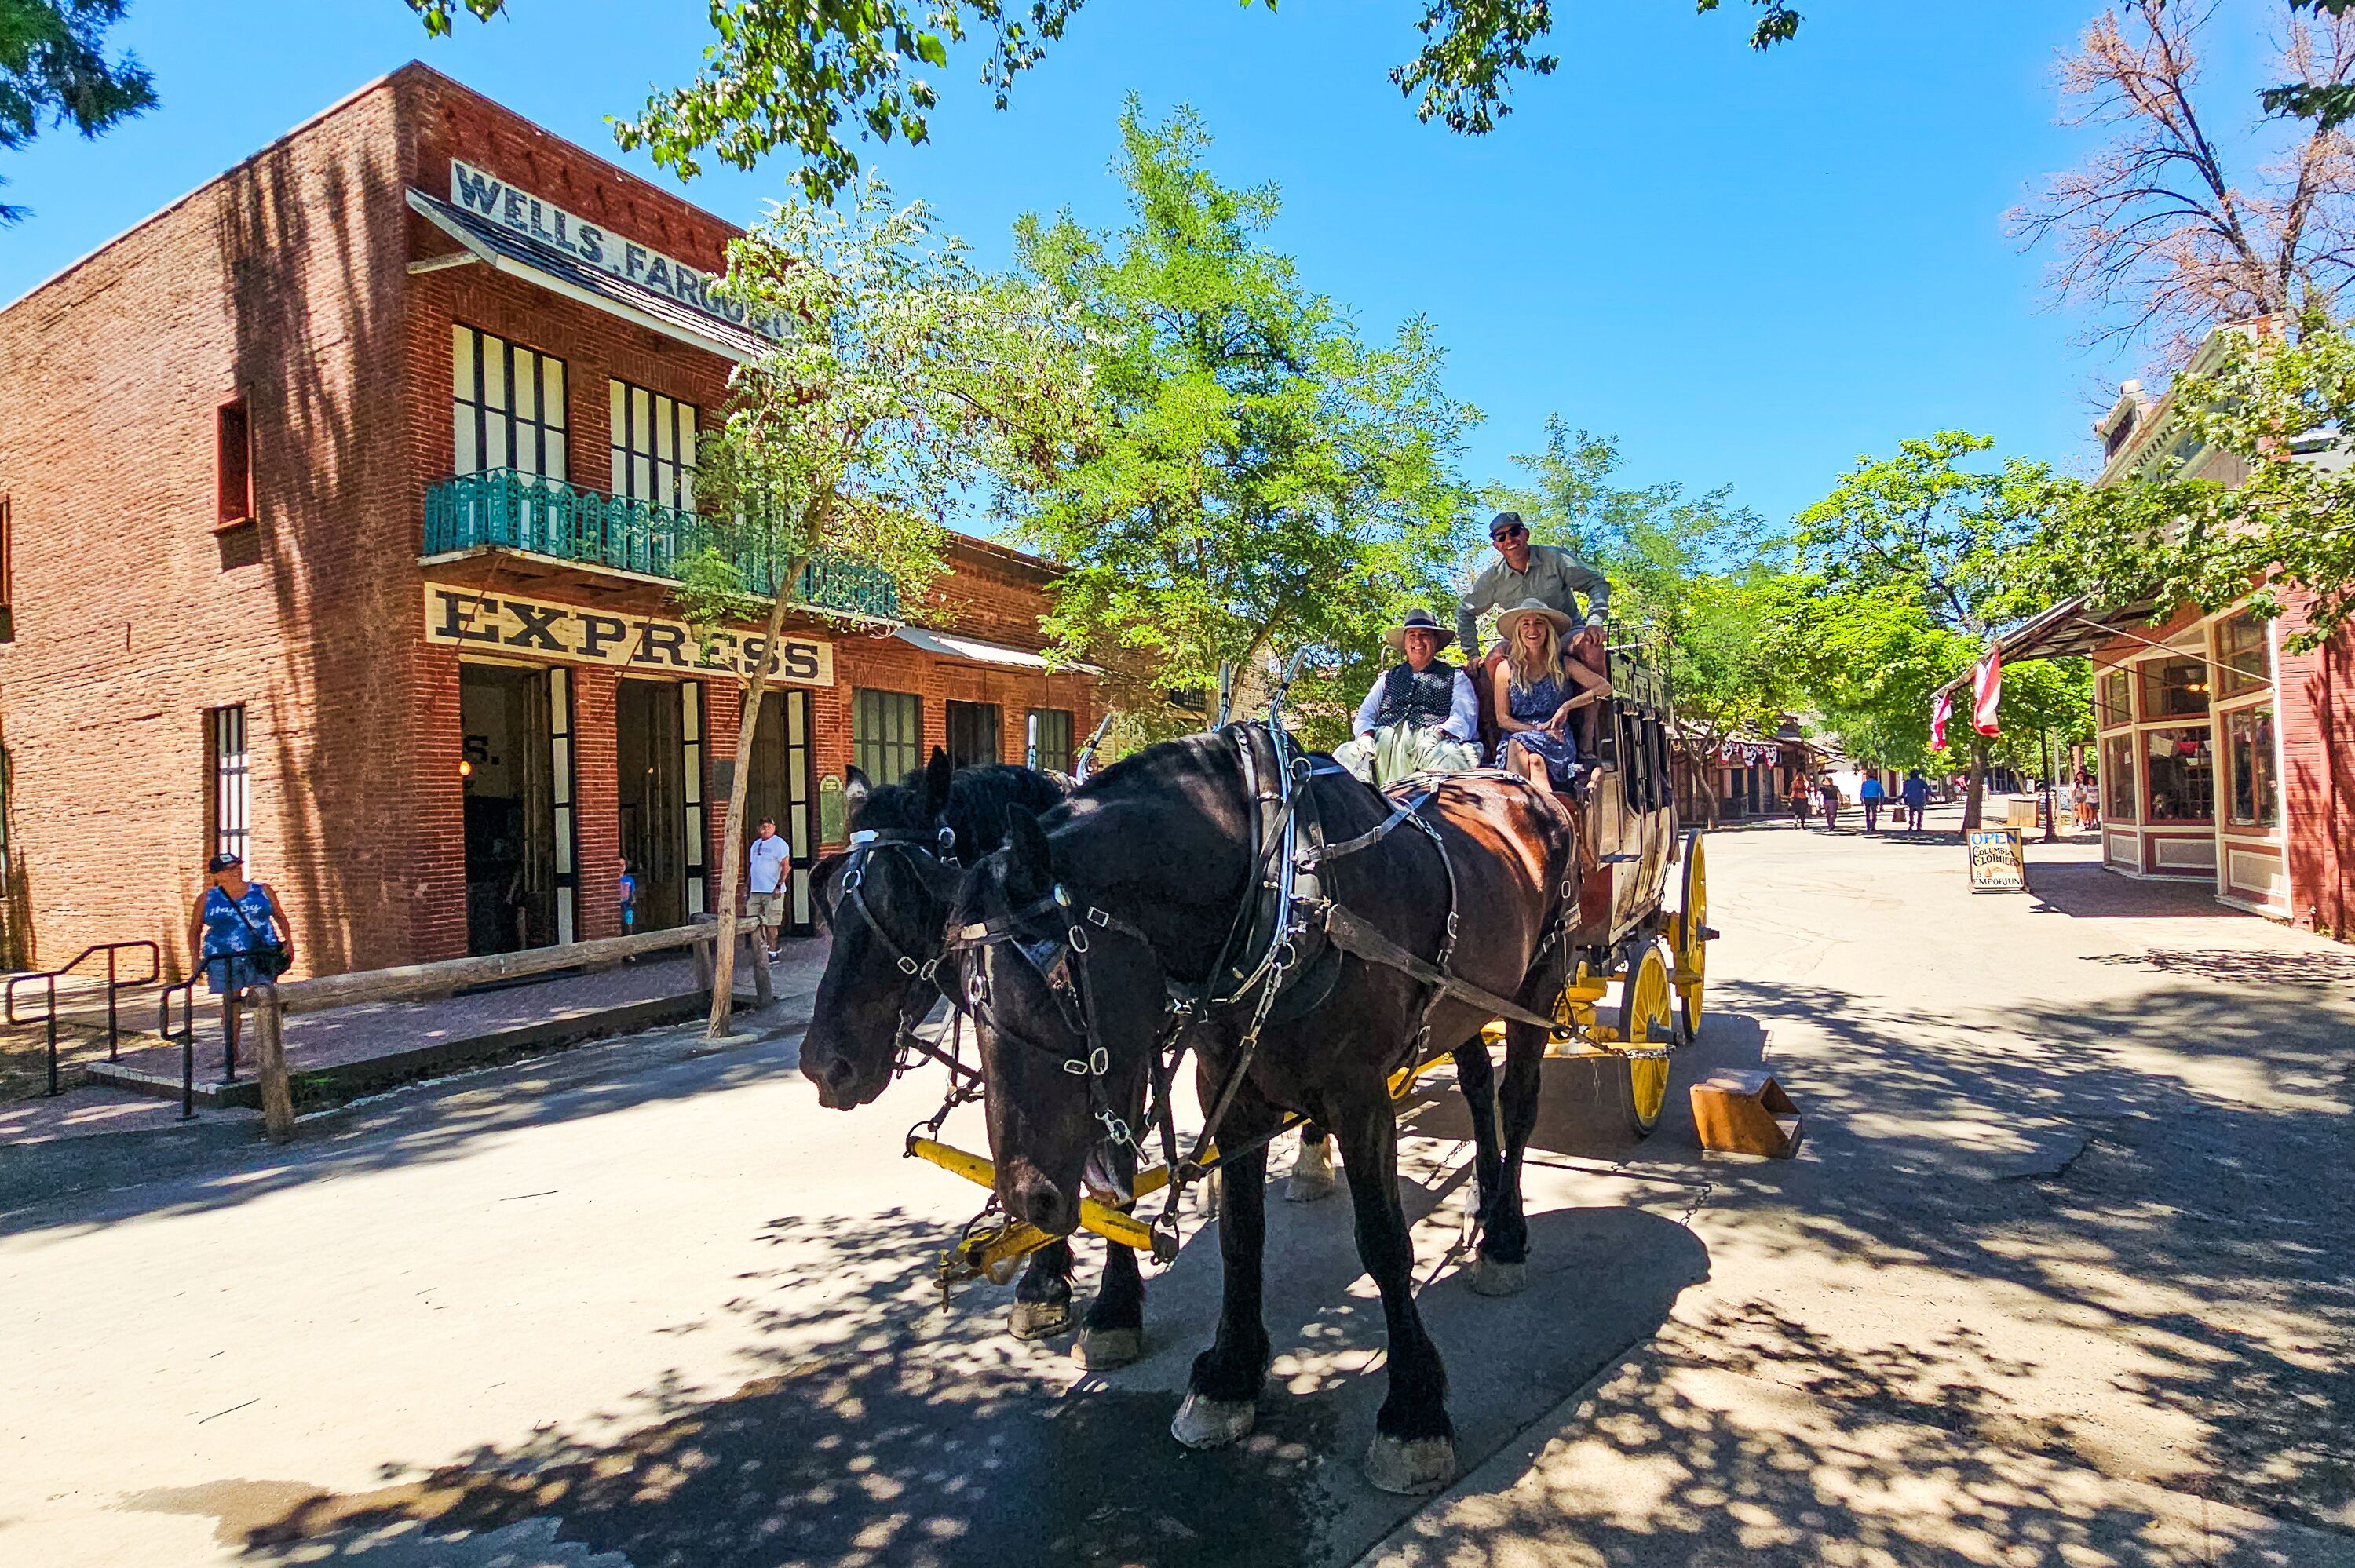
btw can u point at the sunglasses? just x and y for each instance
(1515, 532)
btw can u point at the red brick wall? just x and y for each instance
(2315, 707)
(286, 281)
(280, 282)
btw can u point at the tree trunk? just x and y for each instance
(731, 841)
(1974, 794)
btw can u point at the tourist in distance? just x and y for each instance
(1538, 688)
(771, 858)
(1420, 716)
(1871, 793)
(1917, 796)
(238, 934)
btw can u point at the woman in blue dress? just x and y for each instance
(1537, 690)
(237, 928)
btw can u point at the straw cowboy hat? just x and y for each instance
(1509, 621)
(1418, 620)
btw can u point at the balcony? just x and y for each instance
(503, 509)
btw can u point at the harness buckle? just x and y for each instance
(1099, 1062)
(1076, 1067)
(852, 877)
(1097, 917)
(1077, 938)
(909, 968)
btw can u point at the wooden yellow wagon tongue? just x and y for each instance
(1101, 1218)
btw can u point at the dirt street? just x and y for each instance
(2060, 1277)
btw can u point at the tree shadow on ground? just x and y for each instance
(2086, 889)
(2165, 1170)
(873, 1430)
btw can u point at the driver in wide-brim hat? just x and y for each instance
(1421, 715)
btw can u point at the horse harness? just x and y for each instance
(923, 988)
(1282, 916)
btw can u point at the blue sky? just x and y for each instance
(1752, 269)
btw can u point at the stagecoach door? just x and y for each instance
(651, 756)
(784, 786)
(510, 810)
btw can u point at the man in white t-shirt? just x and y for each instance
(772, 858)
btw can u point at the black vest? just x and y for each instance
(1423, 698)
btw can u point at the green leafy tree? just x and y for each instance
(1261, 478)
(904, 375)
(1912, 563)
(2277, 516)
(54, 69)
(1695, 578)
(789, 77)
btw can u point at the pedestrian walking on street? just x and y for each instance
(1828, 792)
(1870, 793)
(771, 856)
(629, 892)
(239, 935)
(1917, 796)
(1801, 800)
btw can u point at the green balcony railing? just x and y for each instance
(540, 516)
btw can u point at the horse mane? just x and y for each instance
(980, 800)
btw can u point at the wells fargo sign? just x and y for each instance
(1998, 864)
(535, 629)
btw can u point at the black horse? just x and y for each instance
(866, 998)
(1067, 940)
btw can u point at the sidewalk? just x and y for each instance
(336, 1055)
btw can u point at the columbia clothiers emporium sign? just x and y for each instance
(488, 196)
(567, 633)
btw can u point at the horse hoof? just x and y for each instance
(1101, 1350)
(1038, 1319)
(1410, 1466)
(1309, 1186)
(1212, 1422)
(1490, 1277)
(1312, 1173)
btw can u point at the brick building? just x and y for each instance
(338, 502)
(2222, 756)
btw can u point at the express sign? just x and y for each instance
(567, 633)
(488, 196)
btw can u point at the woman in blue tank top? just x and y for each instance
(239, 935)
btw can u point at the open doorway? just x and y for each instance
(783, 787)
(649, 745)
(510, 808)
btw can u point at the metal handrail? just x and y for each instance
(114, 984)
(187, 1038)
(541, 516)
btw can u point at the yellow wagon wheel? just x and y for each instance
(1646, 1005)
(1689, 937)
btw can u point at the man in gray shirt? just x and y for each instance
(1522, 571)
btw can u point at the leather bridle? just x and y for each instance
(921, 982)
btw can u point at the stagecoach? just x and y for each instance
(1626, 932)
(1625, 935)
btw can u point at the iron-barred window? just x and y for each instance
(508, 406)
(1050, 739)
(886, 733)
(227, 786)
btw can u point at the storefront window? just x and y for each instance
(2179, 776)
(2118, 778)
(2174, 687)
(2249, 747)
(2114, 701)
(2244, 664)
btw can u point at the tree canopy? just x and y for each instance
(2272, 516)
(1908, 567)
(903, 375)
(788, 77)
(1260, 477)
(54, 70)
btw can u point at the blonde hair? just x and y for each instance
(1527, 670)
